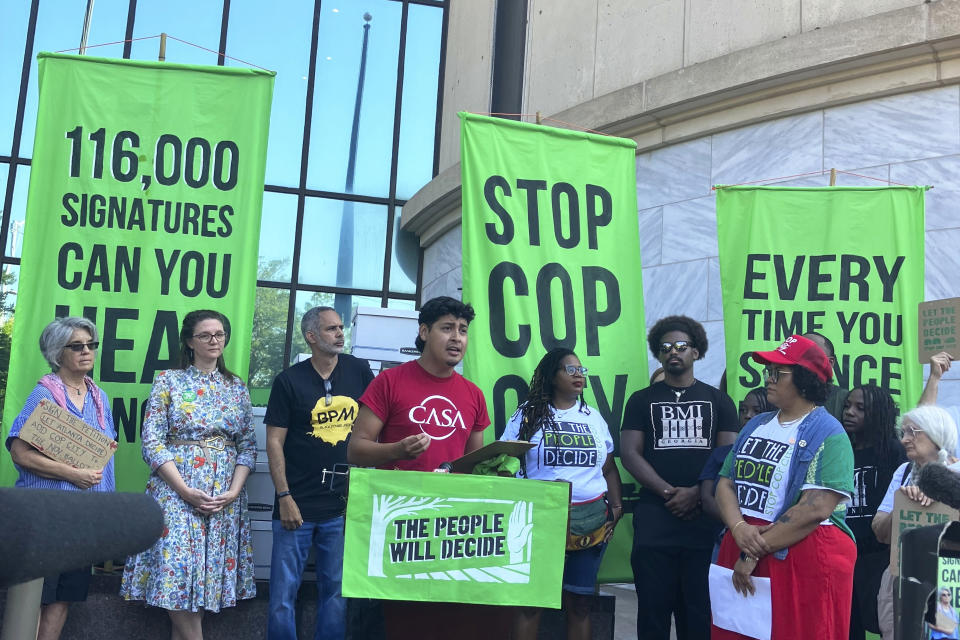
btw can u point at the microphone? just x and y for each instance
(46, 532)
(940, 484)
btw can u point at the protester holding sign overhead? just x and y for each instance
(573, 445)
(669, 431)
(783, 493)
(199, 440)
(69, 345)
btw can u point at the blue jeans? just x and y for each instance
(289, 557)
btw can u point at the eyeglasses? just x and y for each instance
(78, 347)
(219, 336)
(573, 370)
(911, 431)
(773, 375)
(679, 346)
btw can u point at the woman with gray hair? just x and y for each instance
(69, 346)
(929, 435)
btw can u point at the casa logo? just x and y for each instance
(438, 417)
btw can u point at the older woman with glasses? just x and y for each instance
(199, 440)
(555, 408)
(782, 494)
(69, 345)
(929, 435)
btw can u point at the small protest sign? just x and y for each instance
(938, 327)
(66, 438)
(908, 514)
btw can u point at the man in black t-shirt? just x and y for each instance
(668, 432)
(311, 412)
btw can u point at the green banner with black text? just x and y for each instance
(454, 538)
(551, 257)
(145, 196)
(846, 262)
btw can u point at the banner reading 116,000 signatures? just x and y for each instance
(846, 262)
(144, 203)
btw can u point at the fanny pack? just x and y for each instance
(587, 524)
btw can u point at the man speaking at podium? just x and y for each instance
(415, 417)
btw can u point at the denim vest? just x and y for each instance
(815, 428)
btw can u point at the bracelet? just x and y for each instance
(617, 506)
(737, 525)
(282, 494)
(744, 556)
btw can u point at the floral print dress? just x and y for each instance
(200, 562)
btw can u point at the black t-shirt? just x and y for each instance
(316, 432)
(679, 436)
(871, 477)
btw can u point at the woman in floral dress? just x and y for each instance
(199, 441)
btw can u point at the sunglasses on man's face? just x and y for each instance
(78, 347)
(679, 346)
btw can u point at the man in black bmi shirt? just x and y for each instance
(311, 411)
(668, 432)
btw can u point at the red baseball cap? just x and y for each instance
(800, 351)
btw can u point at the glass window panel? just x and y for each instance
(404, 260)
(9, 278)
(269, 333)
(14, 19)
(343, 244)
(278, 226)
(395, 303)
(307, 300)
(338, 64)
(4, 172)
(419, 115)
(18, 209)
(195, 22)
(59, 27)
(277, 40)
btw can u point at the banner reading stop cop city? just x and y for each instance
(551, 258)
(454, 538)
(144, 203)
(846, 262)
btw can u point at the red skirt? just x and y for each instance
(811, 589)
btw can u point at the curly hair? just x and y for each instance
(809, 386)
(536, 412)
(698, 337)
(880, 414)
(436, 308)
(760, 393)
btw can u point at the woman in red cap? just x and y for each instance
(783, 492)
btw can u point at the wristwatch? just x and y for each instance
(744, 556)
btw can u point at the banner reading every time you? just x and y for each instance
(454, 538)
(145, 195)
(846, 262)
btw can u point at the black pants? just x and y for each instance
(672, 581)
(866, 585)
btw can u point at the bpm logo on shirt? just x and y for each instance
(332, 423)
(681, 425)
(438, 417)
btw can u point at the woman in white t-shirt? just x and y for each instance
(573, 445)
(929, 435)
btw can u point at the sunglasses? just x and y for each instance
(773, 375)
(679, 346)
(573, 370)
(78, 347)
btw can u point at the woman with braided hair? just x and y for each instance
(573, 444)
(869, 418)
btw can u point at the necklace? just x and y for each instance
(786, 424)
(678, 392)
(77, 389)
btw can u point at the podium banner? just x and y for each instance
(443, 537)
(845, 262)
(145, 194)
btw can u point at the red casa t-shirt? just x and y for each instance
(410, 401)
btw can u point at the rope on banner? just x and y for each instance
(219, 53)
(539, 119)
(833, 173)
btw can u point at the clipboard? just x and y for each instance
(516, 448)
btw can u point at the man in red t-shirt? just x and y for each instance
(423, 413)
(415, 417)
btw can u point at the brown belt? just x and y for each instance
(217, 443)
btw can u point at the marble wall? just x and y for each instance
(909, 139)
